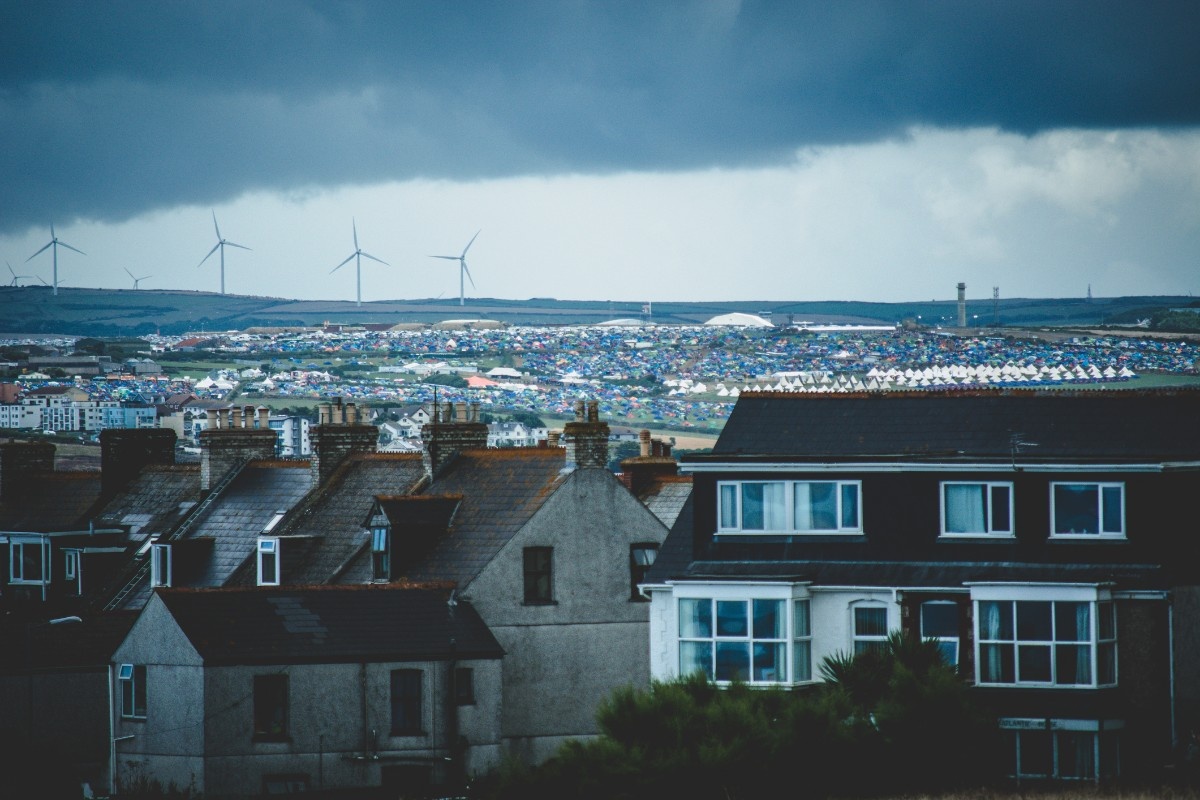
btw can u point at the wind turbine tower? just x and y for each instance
(16, 279)
(136, 279)
(462, 268)
(54, 243)
(220, 245)
(358, 255)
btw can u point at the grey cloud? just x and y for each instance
(109, 109)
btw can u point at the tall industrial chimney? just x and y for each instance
(962, 305)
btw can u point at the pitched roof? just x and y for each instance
(257, 494)
(330, 624)
(1114, 425)
(501, 490)
(154, 501)
(333, 515)
(666, 496)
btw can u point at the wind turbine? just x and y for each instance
(136, 279)
(16, 277)
(358, 256)
(220, 245)
(54, 242)
(462, 264)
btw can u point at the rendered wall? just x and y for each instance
(564, 658)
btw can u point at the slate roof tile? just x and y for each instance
(329, 624)
(1116, 425)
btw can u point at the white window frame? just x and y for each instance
(1100, 533)
(1097, 599)
(785, 594)
(990, 530)
(789, 525)
(868, 639)
(128, 685)
(160, 565)
(268, 548)
(381, 556)
(802, 641)
(1054, 730)
(70, 564)
(16, 567)
(716, 638)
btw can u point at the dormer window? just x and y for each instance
(381, 557)
(28, 561)
(268, 561)
(160, 565)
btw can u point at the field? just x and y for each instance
(113, 312)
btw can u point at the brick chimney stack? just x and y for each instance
(229, 440)
(654, 462)
(453, 428)
(336, 437)
(124, 452)
(587, 437)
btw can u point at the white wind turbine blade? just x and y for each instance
(349, 258)
(448, 258)
(468, 271)
(49, 244)
(365, 254)
(354, 227)
(235, 244)
(468, 247)
(215, 226)
(64, 244)
(210, 252)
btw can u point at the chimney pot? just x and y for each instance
(264, 417)
(351, 414)
(235, 417)
(579, 411)
(552, 438)
(325, 413)
(643, 443)
(593, 411)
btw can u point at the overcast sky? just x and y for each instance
(705, 150)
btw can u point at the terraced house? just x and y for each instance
(1047, 540)
(356, 619)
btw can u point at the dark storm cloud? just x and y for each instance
(110, 109)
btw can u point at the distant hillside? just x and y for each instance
(113, 312)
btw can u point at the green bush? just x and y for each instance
(888, 721)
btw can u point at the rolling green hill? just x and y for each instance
(113, 312)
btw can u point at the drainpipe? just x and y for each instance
(1171, 669)
(362, 681)
(452, 717)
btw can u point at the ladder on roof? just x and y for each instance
(142, 562)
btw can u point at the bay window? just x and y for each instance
(1052, 642)
(735, 640)
(1087, 509)
(977, 509)
(789, 506)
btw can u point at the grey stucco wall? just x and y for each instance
(198, 731)
(168, 743)
(327, 738)
(562, 659)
